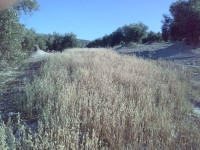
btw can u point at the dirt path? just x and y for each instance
(12, 84)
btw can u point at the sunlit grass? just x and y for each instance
(97, 99)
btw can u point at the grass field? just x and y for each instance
(98, 99)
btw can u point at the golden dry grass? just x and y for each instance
(98, 99)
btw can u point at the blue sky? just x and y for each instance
(91, 19)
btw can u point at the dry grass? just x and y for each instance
(98, 99)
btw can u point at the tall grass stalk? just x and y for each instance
(98, 99)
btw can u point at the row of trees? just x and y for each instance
(59, 42)
(183, 22)
(56, 41)
(128, 33)
(16, 39)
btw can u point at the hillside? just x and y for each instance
(83, 43)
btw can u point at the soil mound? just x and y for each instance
(38, 55)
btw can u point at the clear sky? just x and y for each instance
(91, 19)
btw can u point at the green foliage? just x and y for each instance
(152, 37)
(134, 32)
(3, 144)
(100, 42)
(12, 34)
(179, 11)
(50, 42)
(166, 27)
(29, 39)
(69, 41)
(184, 22)
(27, 6)
(57, 41)
(106, 41)
(128, 33)
(116, 37)
(40, 40)
(60, 42)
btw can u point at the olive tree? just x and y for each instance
(184, 22)
(11, 31)
(134, 32)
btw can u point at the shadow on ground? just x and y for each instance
(14, 91)
(161, 53)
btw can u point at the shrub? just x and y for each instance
(183, 23)
(10, 35)
(152, 37)
(134, 32)
(11, 31)
(128, 33)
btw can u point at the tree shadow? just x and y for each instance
(14, 92)
(172, 50)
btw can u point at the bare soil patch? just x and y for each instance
(161, 50)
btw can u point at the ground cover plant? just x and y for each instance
(98, 99)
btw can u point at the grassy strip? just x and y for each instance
(93, 99)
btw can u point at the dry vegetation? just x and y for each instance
(98, 99)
